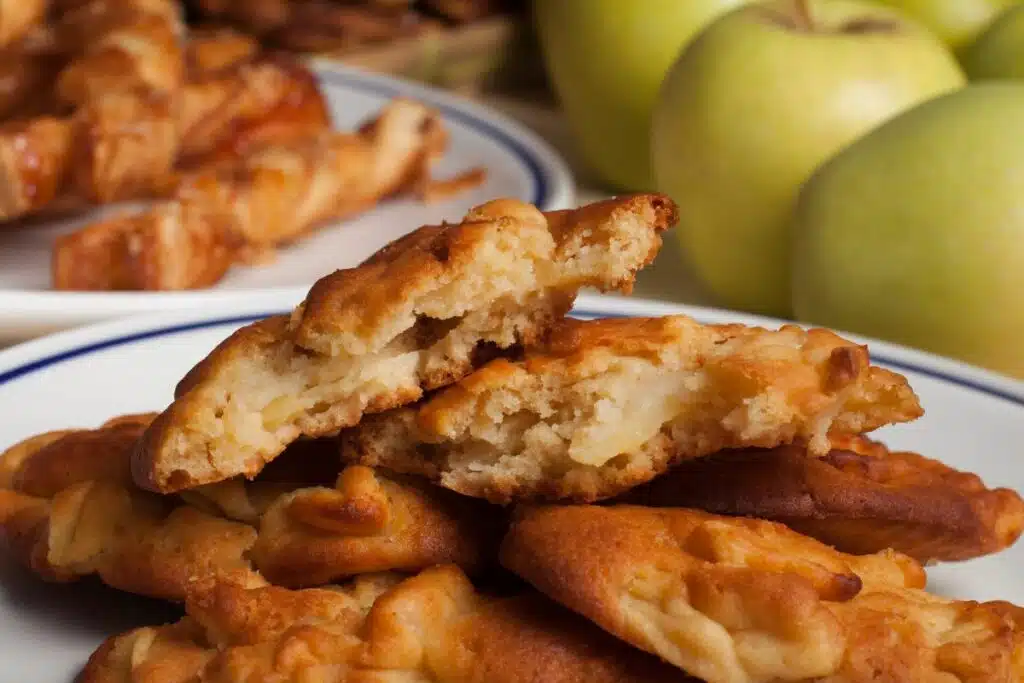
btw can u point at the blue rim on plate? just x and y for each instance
(584, 311)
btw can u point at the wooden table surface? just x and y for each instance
(668, 278)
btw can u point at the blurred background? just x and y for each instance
(853, 163)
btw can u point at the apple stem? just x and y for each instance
(803, 13)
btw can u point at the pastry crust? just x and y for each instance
(859, 498)
(433, 626)
(608, 404)
(412, 318)
(726, 599)
(68, 509)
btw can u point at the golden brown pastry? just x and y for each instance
(726, 599)
(272, 196)
(431, 627)
(120, 46)
(171, 246)
(414, 317)
(859, 498)
(606, 405)
(227, 112)
(69, 509)
(118, 147)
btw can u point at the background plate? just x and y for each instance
(974, 420)
(519, 164)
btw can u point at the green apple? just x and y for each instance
(606, 60)
(915, 233)
(956, 22)
(999, 50)
(755, 103)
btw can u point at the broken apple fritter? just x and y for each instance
(414, 317)
(605, 405)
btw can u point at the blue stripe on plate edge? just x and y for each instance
(85, 349)
(541, 189)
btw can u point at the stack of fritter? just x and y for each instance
(428, 473)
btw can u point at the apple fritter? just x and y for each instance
(605, 405)
(431, 627)
(859, 498)
(726, 599)
(69, 509)
(416, 316)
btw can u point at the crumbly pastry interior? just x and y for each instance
(412, 318)
(608, 404)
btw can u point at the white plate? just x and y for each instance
(518, 163)
(974, 420)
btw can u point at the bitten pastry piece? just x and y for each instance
(366, 523)
(270, 197)
(859, 498)
(605, 405)
(728, 600)
(431, 627)
(414, 317)
(68, 509)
